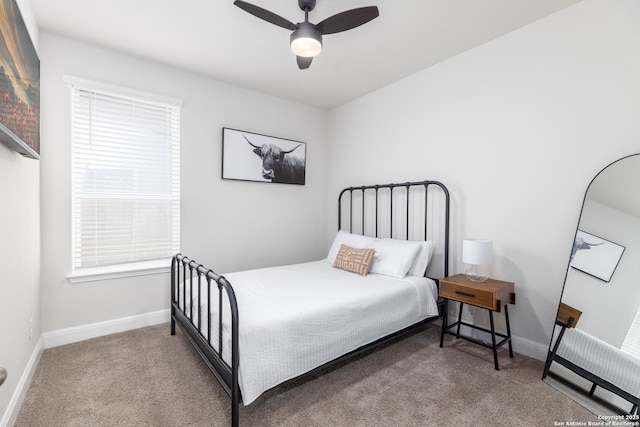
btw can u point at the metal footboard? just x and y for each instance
(189, 279)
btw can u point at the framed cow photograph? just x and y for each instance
(595, 256)
(248, 156)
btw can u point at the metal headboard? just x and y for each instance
(411, 211)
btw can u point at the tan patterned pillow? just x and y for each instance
(354, 260)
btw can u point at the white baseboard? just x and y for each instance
(533, 349)
(15, 403)
(108, 327)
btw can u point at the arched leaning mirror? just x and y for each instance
(594, 355)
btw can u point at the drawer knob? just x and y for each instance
(465, 294)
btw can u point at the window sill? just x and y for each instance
(119, 271)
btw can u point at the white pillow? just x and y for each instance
(354, 240)
(421, 262)
(394, 257)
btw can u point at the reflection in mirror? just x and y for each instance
(594, 354)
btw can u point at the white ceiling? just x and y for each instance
(214, 38)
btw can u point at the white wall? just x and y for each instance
(227, 225)
(516, 128)
(19, 258)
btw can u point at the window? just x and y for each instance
(125, 178)
(631, 343)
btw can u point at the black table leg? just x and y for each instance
(444, 321)
(459, 320)
(506, 318)
(493, 341)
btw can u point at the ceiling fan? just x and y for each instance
(306, 39)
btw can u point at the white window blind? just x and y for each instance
(631, 343)
(125, 178)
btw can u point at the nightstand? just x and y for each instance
(491, 295)
(567, 318)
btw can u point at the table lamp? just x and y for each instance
(478, 253)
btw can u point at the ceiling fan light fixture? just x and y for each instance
(306, 41)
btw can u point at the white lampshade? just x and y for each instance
(477, 251)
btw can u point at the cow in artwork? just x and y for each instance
(279, 165)
(580, 244)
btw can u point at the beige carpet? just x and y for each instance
(146, 377)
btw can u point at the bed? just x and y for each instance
(259, 328)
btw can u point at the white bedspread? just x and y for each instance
(295, 318)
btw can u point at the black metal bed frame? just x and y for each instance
(184, 269)
(595, 380)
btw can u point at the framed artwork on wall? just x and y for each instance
(595, 256)
(248, 156)
(19, 84)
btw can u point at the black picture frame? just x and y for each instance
(249, 156)
(19, 84)
(595, 256)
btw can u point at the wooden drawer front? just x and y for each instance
(479, 297)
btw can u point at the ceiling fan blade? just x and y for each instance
(304, 62)
(265, 15)
(347, 20)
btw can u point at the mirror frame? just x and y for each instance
(575, 234)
